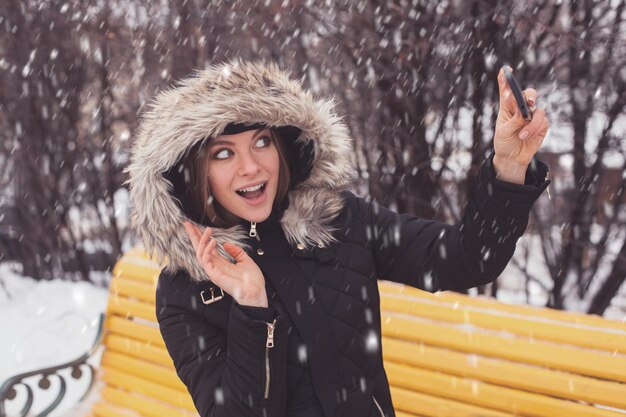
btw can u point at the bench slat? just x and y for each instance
(164, 375)
(403, 414)
(538, 328)
(137, 269)
(126, 307)
(140, 331)
(104, 409)
(415, 402)
(488, 395)
(462, 301)
(135, 384)
(141, 290)
(143, 405)
(138, 349)
(601, 365)
(525, 377)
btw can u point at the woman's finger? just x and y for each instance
(543, 129)
(192, 233)
(222, 262)
(217, 269)
(202, 244)
(545, 125)
(530, 94)
(210, 254)
(208, 260)
(206, 235)
(206, 255)
(533, 126)
(235, 251)
(534, 142)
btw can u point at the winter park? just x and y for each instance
(289, 208)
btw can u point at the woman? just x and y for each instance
(268, 302)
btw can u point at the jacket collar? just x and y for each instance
(202, 106)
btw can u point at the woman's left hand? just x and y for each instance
(516, 139)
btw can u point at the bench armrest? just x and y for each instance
(8, 390)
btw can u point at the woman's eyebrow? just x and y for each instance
(220, 142)
(227, 142)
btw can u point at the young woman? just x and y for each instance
(268, 302)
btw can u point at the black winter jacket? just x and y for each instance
(316, 350)
(331, 320)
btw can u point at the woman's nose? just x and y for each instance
(248, 165)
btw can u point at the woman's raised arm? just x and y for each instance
(436, 256)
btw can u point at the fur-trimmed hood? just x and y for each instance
(202, 106)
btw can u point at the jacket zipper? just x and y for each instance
(253, 232)
(378, 406)
(268, 345)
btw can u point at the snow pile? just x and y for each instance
(47, 323)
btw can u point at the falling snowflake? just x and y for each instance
(219, 395)
(302, 353)
(368, 315)
(428, 281)
(371, 342)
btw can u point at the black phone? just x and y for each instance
(517, 93)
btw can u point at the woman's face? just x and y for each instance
(242, 161)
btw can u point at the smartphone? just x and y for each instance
(517, 93)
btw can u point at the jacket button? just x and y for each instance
(300, 246)
(319, 245)
(260, 251)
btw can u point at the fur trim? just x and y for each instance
(203, 105)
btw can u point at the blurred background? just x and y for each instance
(415, 80)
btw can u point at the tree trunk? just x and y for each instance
(602, 299)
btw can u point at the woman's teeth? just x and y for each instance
(243, 191)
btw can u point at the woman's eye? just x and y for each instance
(217, 155)
(266, 139)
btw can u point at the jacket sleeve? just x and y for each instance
(434, 256)
(230, 373)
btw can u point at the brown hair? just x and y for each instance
(200, 195)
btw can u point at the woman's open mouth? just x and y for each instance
(254, 195)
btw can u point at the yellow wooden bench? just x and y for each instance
(445, 354)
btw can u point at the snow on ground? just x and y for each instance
(47, 323)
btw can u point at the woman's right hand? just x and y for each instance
(244, 281)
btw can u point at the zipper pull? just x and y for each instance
(270, 334)
(253, 232)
